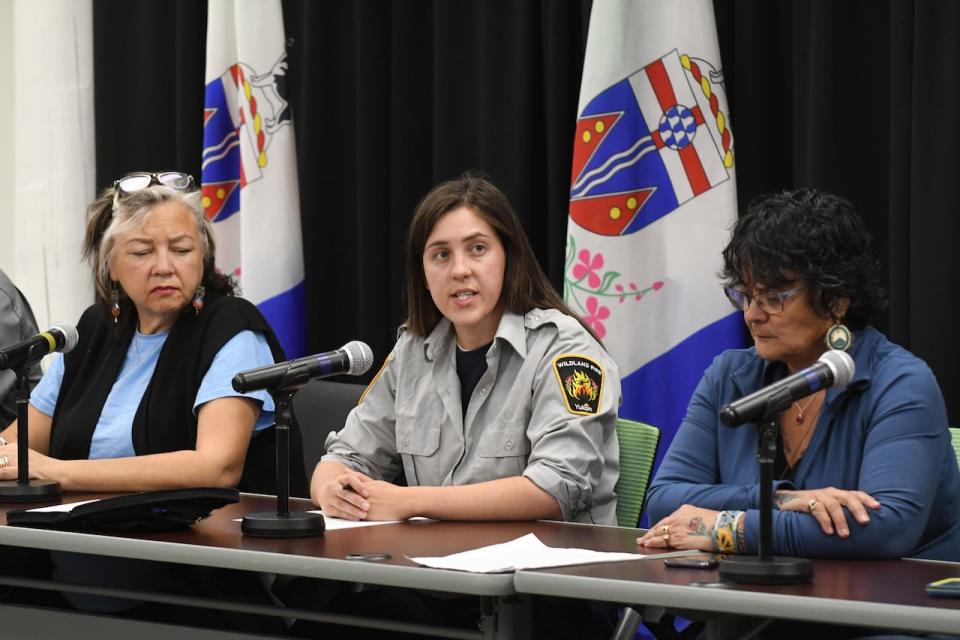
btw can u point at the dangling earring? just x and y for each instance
(838, 336)
(198, 298)
(114, 302)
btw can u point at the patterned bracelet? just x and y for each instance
(741, 536)
(725, 531)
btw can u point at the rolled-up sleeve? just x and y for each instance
(572, 450)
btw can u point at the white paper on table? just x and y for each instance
(65, 508)
(526, 552)
(332, 523)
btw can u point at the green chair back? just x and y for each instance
(955, 436)
(638, 450)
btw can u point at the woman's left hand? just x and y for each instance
(41, 466)
(827, 506)
(688, 527)
(388, 501)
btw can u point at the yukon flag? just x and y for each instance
(652, 200)
(249, 174)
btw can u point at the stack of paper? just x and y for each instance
(523, 553)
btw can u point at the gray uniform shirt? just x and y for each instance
(16, 324)
(546, 409)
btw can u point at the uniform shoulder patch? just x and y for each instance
(387, 361)
(581, 382)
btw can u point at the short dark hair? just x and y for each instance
(525, 285)
(814, 237)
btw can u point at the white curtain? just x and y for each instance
(48, 163)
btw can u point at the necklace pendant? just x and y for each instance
(798, 418)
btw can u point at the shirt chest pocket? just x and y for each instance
(504, 448)
(417, 443)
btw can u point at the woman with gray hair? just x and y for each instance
(144, 401)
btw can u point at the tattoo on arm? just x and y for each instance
(782, 497)
(696, 526)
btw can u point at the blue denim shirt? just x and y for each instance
(885, 434)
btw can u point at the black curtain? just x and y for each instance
(389, 98)
(856, 97)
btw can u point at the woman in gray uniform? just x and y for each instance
(497, 403)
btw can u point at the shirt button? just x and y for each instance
(483, 391)
(508, 444)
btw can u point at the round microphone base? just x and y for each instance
(774, 570)
(269, 524)
(33, 491)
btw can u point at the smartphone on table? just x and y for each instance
(693, 562)
(946, 588)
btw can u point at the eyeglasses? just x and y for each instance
(139, 181)
(770, 302)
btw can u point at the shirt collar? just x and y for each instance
(863, 344)
(510, 329)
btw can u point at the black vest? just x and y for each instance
(164, 421)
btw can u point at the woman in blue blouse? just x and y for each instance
(865, 471)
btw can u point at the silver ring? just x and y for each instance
(4, 461)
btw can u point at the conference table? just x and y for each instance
(218, 542)
(883, 594)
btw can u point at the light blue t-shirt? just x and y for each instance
(113, 436)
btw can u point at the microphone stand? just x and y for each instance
(283, 523)
(766, 568)
(23, 489)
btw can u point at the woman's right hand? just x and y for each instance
(344, 496)
(826, 505)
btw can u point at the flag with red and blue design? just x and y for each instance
(249, 171)
(652, 200)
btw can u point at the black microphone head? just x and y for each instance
(729, 416)
(239, 383)
(70, 336)
(360, 356)
(841, 364)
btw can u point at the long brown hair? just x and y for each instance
(525, 285)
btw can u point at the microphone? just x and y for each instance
(26, 353)
(833, 369)
(353, 358)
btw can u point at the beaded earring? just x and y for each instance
(198, 298)
(838, 337)
(114, 302)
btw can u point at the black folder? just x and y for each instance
(165, 510)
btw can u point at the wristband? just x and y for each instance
(741, 536)
(725, 531)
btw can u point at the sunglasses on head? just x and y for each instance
(139, 181)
